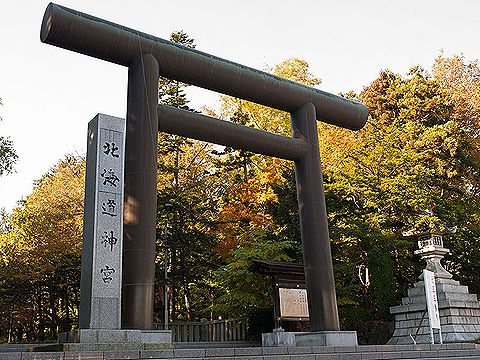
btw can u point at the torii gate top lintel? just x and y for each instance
(89, 35)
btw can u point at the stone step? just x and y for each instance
(446, 307)
(449, 324)
(441, 288)
(362, 352)
(463, 297)
(318, 353)
(216, 344)
(439, 282)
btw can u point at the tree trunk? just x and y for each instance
(53, 309)
(10, 322)
(41, 325)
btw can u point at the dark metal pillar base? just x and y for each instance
(322, 302)
(140, 194)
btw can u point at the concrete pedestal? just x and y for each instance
(317, 338)
(459, 314)
(279, 337)
(104, 339)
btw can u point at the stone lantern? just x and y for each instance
(459, 310)
(430, 249)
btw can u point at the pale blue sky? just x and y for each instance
(50, 94)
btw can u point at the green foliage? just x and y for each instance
(412, 165)
(258, 217)
(242, 292)
(284, 212)
(172, 92)
(186, 181)
(382, 279)
(8, 155)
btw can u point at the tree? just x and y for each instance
(462, 80)
(251, 220)
(411, 165)
(194, 196)
(40, 255)
(172, 92)
(415, 163)
(186, 181)
(263, 117)
(8, 155)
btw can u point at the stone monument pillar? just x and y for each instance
(459, 310)
(101, 281)
(102, 265)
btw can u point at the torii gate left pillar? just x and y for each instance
(140, 194)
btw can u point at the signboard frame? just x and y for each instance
(293, 303)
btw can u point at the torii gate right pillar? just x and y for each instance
(317, 257)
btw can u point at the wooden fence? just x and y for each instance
(217, 330)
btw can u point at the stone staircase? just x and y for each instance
(459, 314)
(465, 351)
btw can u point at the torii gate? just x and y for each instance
(148, 57)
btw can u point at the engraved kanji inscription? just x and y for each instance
(109, 148)
(109, 177)
(107, 273)
(109, 239)
(109, 207)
